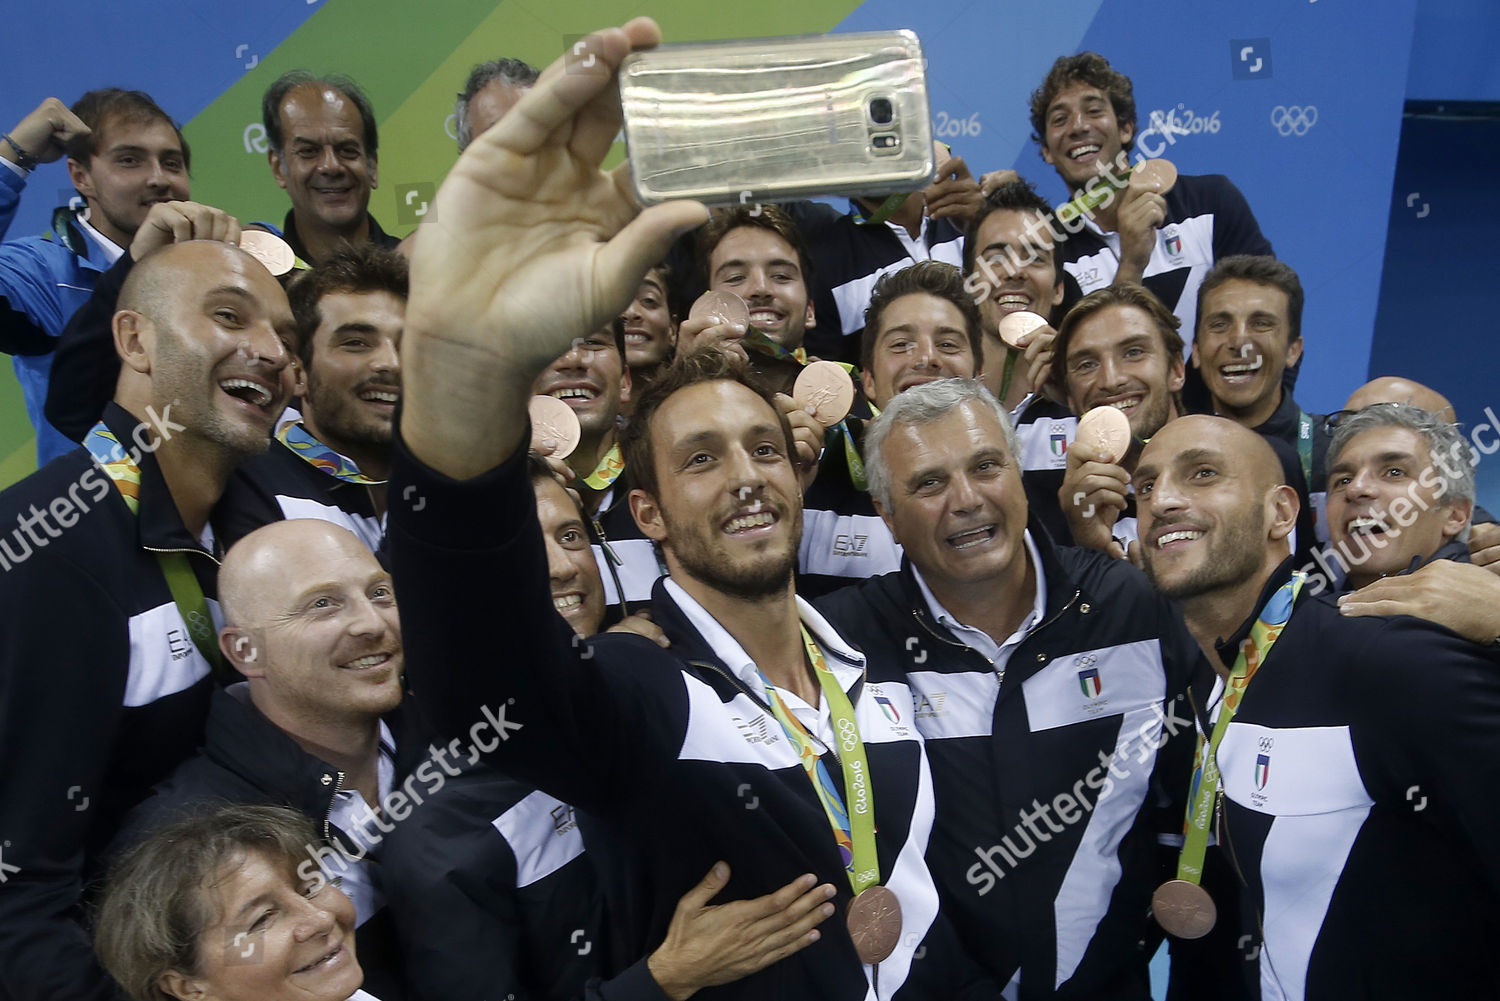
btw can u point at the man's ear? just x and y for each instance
(1282, 508)
(1193, 355)
(299, 378)
(812, 321)
(81, 179)
(1127, 133)
(174, 984)
(625, 383)
(867, 383)
(242, 650)
(885, 515)
(273, 157)
(1294, 352)
(134, 337)
(647, 514)
(1176, 374)
(1460, 513)
(374, 172)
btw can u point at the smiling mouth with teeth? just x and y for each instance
(1075, 153)
(1242, 369)
(1365, 526)
(972, 537)
(1167, 538)
(565, 603)
(746, 522)
(577, 393)
(250, 392)
(322, 960)
(367, 661)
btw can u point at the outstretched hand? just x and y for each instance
(528, 245)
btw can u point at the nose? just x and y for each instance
(1362, 484)
(315, 916)
(158, 181)
(328, 161)
(924, 354)
(756, 286)
(1165, 499)
(386, 357)
(1111, 373)
(366, 618)
(560, 569)
(963, 496)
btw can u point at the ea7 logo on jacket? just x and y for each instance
(850, 545)
(757, 730)
(929, 705)
(562, 819)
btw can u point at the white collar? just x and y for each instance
(110, 249)
(1038, 605)
(846, 663)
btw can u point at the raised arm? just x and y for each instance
(528, 245)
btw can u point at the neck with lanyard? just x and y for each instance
(1181, 906)
(125, 474)
(874, 917)
(295, 437)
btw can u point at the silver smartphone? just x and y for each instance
(775, 118)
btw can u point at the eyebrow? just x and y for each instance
(773, 263)
(1344, 465)
(136, 148)
(356, 327)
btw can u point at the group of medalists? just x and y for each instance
(950, 602)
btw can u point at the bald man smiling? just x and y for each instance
(311, 625)
(1347, 750)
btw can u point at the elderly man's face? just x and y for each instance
(325, 168)
(1383, 510)
(957, 504)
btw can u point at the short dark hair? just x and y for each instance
(769, 217)
(511, 72)
(934, 278)
(1123, 294)
(153, 914)
(275, 96)
(97, 107)
(1013, 196)
(1262, 270)
(708, 364)
(363, 268)
(1089, 68)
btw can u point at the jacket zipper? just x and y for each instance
(999, 672)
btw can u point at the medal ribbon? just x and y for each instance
(854, 833)
(295, 437)
(609, 469)
(1205, 785)
(181, 581)
(1091, 198)
(1304, 447)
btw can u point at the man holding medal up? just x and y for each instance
(756, 739)
(1350, 761)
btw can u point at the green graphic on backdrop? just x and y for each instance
(412, 59)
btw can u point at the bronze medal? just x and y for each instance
(722, 307)
(1183, 909)
(269, 249)
(553, 420)
(1107, 429)
(1014, 326)
(874, 921)
(825, 388)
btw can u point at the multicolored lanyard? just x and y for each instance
(608, 470)
(1254, 650)
(295, 437)
(181, 581)
(853, 831)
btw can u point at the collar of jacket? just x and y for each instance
(158, 524)
(378, 236)
(1283, 421)
(1229, 649)
(1061, 587)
